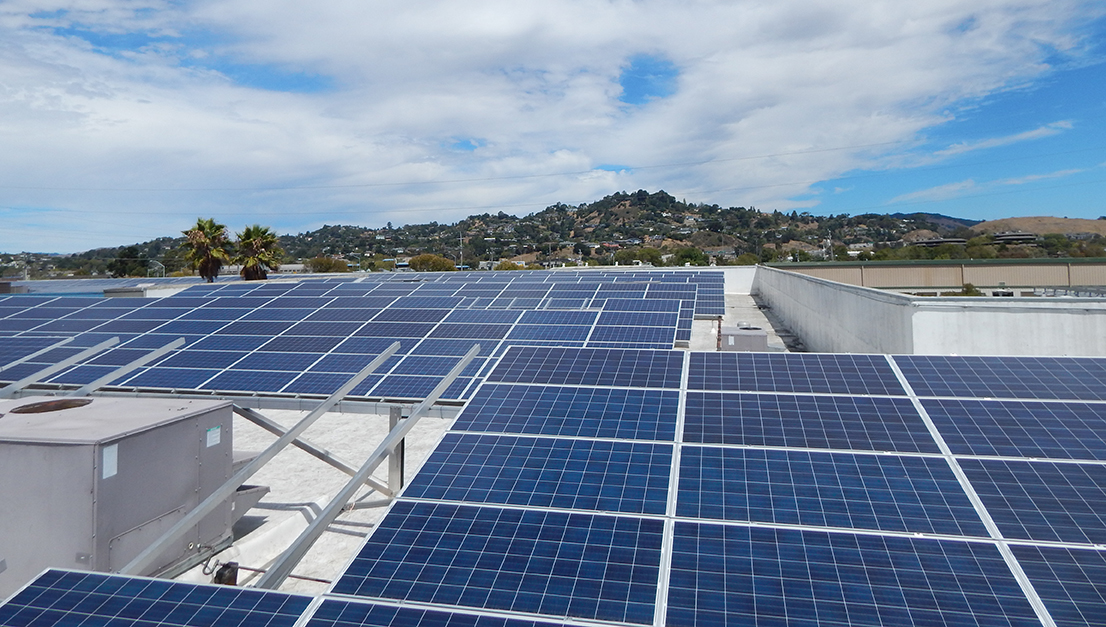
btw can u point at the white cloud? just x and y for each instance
(970, 187)
(136, 134)
(1048, 130)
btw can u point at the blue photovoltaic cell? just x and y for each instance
(160, 313)
(435, 366)
(551, 563)
(733, 575)
(80, 375)
(337, 362)
(67, 326)
(549, 332)
(15, 348)
(455, 348)
(556, 366)
(13, 326)
(547, 472)
(395, 329)
(470, 331)
(861, 423)
(128, 326)
(1070, 581)
(293, 362)
(249, 381)
(405, 386)
(64, 599)
(211, 313)
(626, 304)
(559, 318)
(331, 329)
(342, 613)
(200, 359)
(641, 335)
(374, 345)
(480, 316)
(344, 315)
(572, 411)
(1043, 501)
(883, 492)
(302, 344)
(637, 319)
(1021, 429)
(191, 327)
(411, 315)
(278, 313)
(1065, 378)
(427, 302)
(116, 357)
(793, 372)
(239, 343)
(266, 327)
(172, 378)
(321, 383)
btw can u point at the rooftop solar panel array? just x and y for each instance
(763, 489)
(308, 337)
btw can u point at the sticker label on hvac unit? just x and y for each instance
(111, 461)
(214, 436)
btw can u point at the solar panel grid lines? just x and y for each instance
(1047, 429)
(1070, 580)
(546, 563)
(806, 421)
(342, 612)
(1004, 549)
(724, 574)
(621, 367)
(1041, 500)
(546, 472)
(1064, 378)
(910, 494)
(63, 598)
(840, 373)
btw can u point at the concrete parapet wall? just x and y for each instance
(980, 326)
(835, 317)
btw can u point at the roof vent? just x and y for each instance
(55, 405)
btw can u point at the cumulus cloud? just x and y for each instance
(132, 118)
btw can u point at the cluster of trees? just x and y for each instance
(208, 247)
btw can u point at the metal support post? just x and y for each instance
(395, 458)
(146, 558)
(288, 560)
(317, 452)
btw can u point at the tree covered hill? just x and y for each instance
(594, 231)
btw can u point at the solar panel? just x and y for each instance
(844, 423)
(1021, 429)
(64, 598)
(1043, 501)
(884, 492)
(541, 562)
(793, 372)
(1070, 581)
(590, 367)
(346, 613)
(547, 472)
(728, 575)
(1067, 378)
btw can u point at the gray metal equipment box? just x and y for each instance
(744, 338)
(88, 483)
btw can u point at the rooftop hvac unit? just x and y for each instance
(88, 483)
(744, 338)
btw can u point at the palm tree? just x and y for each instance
(207, 247)
(258, 252)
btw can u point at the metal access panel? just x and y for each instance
(744, 338)
(88, 483)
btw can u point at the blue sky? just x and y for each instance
(122, 121)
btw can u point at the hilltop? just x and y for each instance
(653, 227)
